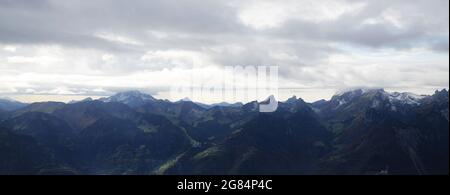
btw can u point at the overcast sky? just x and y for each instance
(94, 48)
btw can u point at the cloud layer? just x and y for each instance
(100, 47)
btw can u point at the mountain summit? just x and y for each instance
(130, 98)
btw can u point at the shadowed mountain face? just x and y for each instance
(363, 131)
(51, 132)
(21, 154)
(118, 146)
(3, 114)
(276, 143)
(376, 132)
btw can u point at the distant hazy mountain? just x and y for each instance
(9, 105)
(225, 104)
(358, 131)
(83, 100)
(207, 106)
(45, 107)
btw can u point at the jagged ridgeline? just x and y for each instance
(361, 131)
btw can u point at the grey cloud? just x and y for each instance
(67, 20)
(74, 22)
(300, 47)
(423, 21)
(441, 45)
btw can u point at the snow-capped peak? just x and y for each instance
(406, 98)
(361, 90)
(124, 96)
(347, 96)
(131, 98)
(381, 98)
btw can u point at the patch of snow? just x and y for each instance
(128, 97)
(342, 102)
(395, 99)
(405, 98)
(363, 90)
(376, 103)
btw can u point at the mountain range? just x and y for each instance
(356, 132)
